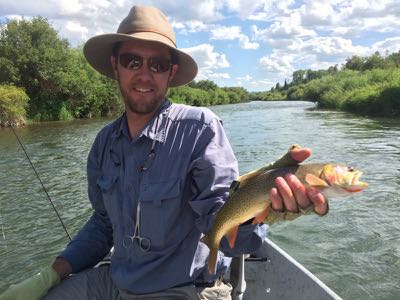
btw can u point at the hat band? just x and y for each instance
(153, 31)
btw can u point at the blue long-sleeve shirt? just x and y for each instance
(178, 171)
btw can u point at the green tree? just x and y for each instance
(298, 77)
(38, 58)
(394, 58)
(375, 61)
(355, 63)
(203, 85)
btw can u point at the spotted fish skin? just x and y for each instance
(250, 197)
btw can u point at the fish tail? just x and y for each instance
(212, 260)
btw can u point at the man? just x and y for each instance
(156, 177)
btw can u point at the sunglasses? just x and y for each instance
(135, 62)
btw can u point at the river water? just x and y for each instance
(355, 249)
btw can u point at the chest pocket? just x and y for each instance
(107, 184)
(160, 205)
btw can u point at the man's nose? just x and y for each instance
(144, 70)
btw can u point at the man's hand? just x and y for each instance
(290, 193)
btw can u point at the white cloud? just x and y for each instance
(332, 48)
(262, 84)
(390, 45)
(314, 53)
(215, 76)
(208, 61)
(271, 10)
(206, 57)
(247, 77)
(277, 64)
(180, 10)
(76, 28)
(351, 18)
(196, 26)
(70, 7)
(178, 25)
(284, 28)
(244, 8)
(225, 33)
(232, 33)
(245, 43)
(14, 17)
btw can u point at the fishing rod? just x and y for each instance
(44, 188)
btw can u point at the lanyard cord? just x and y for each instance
(44, 189)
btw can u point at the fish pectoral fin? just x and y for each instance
(231, 236)
(315, 181)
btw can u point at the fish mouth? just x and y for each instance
(346, 177)
(354, 190)
(357, 187)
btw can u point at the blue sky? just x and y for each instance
(249, 43)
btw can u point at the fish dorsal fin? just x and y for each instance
(315, 181)
(250, 175)
(285, 161)
(242, 180)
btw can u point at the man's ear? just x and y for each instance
(174, 69)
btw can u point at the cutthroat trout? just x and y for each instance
(250, 197)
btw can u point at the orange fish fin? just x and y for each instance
(231, 236)
(315, 181)
(262, 216)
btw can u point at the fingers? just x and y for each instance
(290, 194)
(276, 200)
(321, 206)
(300, 154)
(298, 189)
(282, 197)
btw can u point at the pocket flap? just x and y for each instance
(105, 182)
(159, 190)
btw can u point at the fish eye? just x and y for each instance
(350, 169)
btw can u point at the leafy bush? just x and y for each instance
(13, 104)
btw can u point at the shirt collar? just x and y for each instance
(121, 127)
(157, 126)
(154, 130)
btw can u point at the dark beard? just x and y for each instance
(139, 107)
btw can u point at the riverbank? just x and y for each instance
(362, 85)
(374, 92)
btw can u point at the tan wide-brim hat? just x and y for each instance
(142, 23)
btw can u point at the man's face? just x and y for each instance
(143, 90)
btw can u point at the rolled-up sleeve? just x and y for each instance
(95, 239)
(214, 168)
